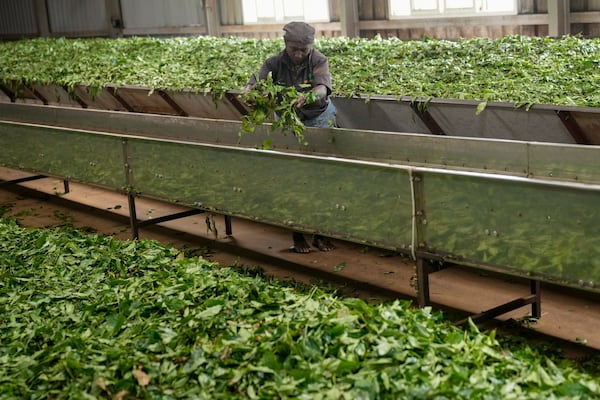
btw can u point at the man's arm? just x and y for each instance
(320, 90)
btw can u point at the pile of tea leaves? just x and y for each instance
(89, 316)
(517, 69)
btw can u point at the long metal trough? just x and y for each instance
(527, 208)
(540, 123)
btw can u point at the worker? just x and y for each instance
(306, 68)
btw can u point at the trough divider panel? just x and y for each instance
(9, 93)
(572, 126)
(113, 92)
(40, 96)
(420, 108)
(233, 99)
(75, 97)
(172, 103)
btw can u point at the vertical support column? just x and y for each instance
(213, 20)
(114, 16)
(419, 244)
(559, 18)
(41, 15)
(349, 18)
(419, 216)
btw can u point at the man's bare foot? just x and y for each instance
(300, 244)
(322, 243)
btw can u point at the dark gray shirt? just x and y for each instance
(313, 71)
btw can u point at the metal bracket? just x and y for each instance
(424, 268)
(534, 299)
(33, 178)
(21, 180)
(136, 224)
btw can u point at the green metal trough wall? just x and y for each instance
(523, 208)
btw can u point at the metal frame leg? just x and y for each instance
(228, 230)
(133, 222)
(423, 270)
(536, 305)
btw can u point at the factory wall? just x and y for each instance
(112, 18)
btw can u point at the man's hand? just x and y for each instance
(246, 89)
(300, 101)
(316, 93)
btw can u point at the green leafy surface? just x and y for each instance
(86, 316)
(516, 69)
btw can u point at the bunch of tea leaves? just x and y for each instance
(87, 316)
(515, 69)
(271, 102)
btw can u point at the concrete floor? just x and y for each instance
(569, 315)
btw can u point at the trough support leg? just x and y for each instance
(536, 305)
(133, 222)
(228, 230)
(423, 270)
